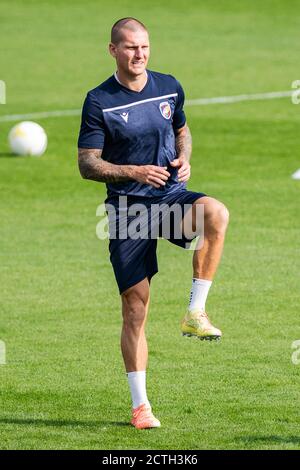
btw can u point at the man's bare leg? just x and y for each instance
(216, 218)
(135, 305)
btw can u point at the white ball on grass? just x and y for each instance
(28, 138)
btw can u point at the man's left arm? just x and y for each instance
(183, 142)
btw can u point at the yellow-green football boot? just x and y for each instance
(196, 323)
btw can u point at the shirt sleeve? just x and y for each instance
(92, 132)
(179, 118)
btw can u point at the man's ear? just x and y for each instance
(112, 49)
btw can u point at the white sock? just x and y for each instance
(199, 293)
(137, 384)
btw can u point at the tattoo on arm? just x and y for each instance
(183, 141)
(93, 167)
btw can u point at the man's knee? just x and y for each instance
(223, 215)
(216, 216)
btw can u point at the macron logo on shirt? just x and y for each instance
(124, 116)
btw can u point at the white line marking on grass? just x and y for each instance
(197, 102)
(40, 115)
(234, 99)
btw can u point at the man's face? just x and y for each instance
(132, 53)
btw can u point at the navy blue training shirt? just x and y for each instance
(135, 128)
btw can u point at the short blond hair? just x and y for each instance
(125, 23)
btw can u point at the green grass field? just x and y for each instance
(64, 385)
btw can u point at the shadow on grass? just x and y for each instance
(8, 155)
(56, 422)
(271, 439)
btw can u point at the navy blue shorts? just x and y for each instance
(134, 259)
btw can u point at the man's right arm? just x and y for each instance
(93, 167)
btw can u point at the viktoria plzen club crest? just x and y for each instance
(165, 109)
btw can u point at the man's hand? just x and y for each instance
(184, 169)
(151, 174)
